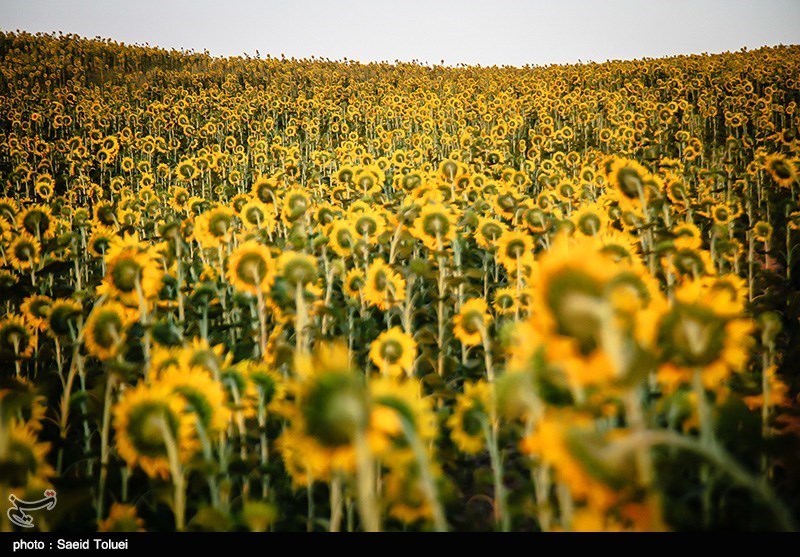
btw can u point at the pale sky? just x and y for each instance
(513, 32)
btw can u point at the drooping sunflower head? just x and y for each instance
(394, 352)
(24, 252)
(105, 330)
(384, 287)
(782, 169)
(353, 282)
(488, 232)
(590, 219)
(298, 269)
(62, 319)
(100, 240)
(203, 396)
(186, 170)
(506, 301)
(343, 236)
(122, 517)
(214, 227)
(147, 419)
(762, 231)
(687, 235)
(514, 248)
(200, 354)
(569, 285)
(627, 178)
(470, 420)
(35, 308)
(23, 458)
(16, 336)
(295, 204)
(471, 322)
(704, 330)
(435, 226)
(251, 268)
(37, 220)
(21, 402)
(689, 262)
(397, 410)
(333, 399)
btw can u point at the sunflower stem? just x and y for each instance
(178, 477)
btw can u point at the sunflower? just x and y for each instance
(251, 268)
(550, 444)
(690, 262)
(353, 282)
(16, 336)
(725, 213)
(470, 324)
(38, 221)
(200, 354)
(35, 309)
(143, 418)
(105, 330)
(506, 301)
(331, 412)
(24, 252)
(368, 224)
(270, 388)
(256, 215)
(298, 269)
(687, 235)
(405, 496)
(394, 352)
(100, 240)
(488, 232)
(296, 203)
(762, 231)
(505, 202)
(627, 178)
(186, 170)
(21, 402)
(704, 330)
(204, 396)
(343, 236)
(514, 250)
(435, 226)
(590, 219)
(22, 457)
(215, 227)
(471, 416)
(62, 319)
(384, 287)
(131, 270)
(9, 209)
(783, 170)
(121, 518)
(398, 409)
(179, 198)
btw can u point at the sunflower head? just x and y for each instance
(251, 268)
(298, 269)
(147, 419)
(16, 336)
(105, 330)
(471, 322)
(23, 458)
(333, 399)
(121, 518)
(470, 420)
(394, 352)
(24, 252)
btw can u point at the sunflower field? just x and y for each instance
(283, 295)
